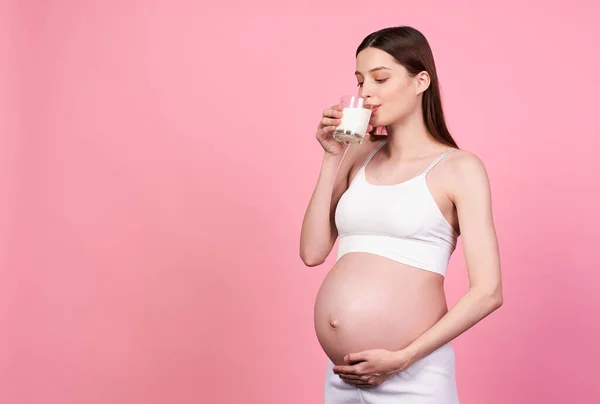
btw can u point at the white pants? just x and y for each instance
(430, 380)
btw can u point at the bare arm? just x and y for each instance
(319, 233)
(472, 198)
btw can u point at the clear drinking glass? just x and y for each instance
(355, 120)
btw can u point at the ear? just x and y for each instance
(422, 81)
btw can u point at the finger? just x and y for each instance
(344, 369)
(324, 132)
(352, 372)
(361, 384)
(330, 121)
(366, 382)
(355, 357)
(355, 382)
(333, 112)
(351, 377)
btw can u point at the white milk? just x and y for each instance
(355, 121)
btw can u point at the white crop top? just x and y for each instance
(401, 222)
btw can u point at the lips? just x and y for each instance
(374, 109)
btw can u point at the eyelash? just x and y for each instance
(379, 81)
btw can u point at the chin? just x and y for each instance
(378, 122)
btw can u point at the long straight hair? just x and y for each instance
(411, 49)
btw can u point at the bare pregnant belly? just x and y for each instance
(369, 302)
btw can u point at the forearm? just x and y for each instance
(317, 233)
(468, 311)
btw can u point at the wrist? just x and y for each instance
(405, 357)
(331, 161)
(332, 156)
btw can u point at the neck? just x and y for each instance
(409, 138)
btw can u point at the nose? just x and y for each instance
(366, 96)
(365, 92)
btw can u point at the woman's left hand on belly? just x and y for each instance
(371, 367)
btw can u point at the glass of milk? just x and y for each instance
(355, 120)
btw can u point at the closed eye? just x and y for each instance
(379, 81)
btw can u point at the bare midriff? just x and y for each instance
(368, 302)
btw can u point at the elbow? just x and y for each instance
(495, 299)
(496, 296)
(314, 253)
(491, 298)
(310, 261)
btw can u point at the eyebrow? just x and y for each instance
(374, 69)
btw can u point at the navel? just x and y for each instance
(334, 323)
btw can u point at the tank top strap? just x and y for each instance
(375, 150)
(437, 160)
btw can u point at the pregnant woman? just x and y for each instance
(398, 203)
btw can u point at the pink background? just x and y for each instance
(157, 158)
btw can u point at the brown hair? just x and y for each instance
(410, 48)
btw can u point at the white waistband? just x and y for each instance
(416, 253)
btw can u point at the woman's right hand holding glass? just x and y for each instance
(331, 119)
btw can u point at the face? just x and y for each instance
(388, 87)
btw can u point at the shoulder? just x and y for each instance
(466, 173)
(465, 162)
